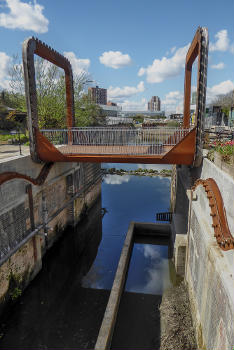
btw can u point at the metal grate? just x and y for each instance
(12, 229)
(167, 216)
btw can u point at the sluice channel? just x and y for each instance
(65, 304)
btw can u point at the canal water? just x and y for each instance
(63, 307)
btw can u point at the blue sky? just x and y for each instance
(134, 49)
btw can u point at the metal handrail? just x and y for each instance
(149, 141)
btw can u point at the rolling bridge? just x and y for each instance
(121, 145)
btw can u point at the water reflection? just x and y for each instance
(136, 166)
(63, 307)
(136, 200)
(54, 311)
(116, 179)
(149, 269)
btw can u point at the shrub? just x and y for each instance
(226, 149)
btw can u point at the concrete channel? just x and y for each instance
(135, 231)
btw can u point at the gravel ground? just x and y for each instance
(177, 332)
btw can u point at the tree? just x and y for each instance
(51, 95)
(88, 113)
(138, 118)
(226, 101)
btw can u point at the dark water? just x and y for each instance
(63, 307)
(138, 320)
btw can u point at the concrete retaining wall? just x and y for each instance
(65, 181)
(208, 270)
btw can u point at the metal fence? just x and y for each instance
(12, 228)
(115, 140)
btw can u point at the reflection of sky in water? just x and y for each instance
(93, 278)
(137, 199)
(149, 269)
(136, 166)
(116, 179)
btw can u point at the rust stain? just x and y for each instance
(222, 232)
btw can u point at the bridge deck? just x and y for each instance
(117, 150)
(152, 146)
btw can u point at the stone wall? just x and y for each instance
(65, 182)
(208, 269)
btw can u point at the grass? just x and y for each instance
(13, 138)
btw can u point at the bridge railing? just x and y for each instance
(135, 141)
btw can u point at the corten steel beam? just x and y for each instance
(222, 232)
(182, 153)
(33, 46)
(10, 175)
(43, 150)
(198, 48)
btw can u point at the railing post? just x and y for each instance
(69, 137)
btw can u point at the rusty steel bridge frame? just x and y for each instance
(187, 151)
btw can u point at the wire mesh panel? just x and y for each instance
(12, 229)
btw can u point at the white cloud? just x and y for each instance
(157, 277)
(156, 273)
(172, 100)
(116, 179)
(173, 49)
(79, 65)
(218, 66)
(155, 167)
(150, 251)
(4, 66)
(126, 91)
(222, 41)
(165, 68)
(115, 59)
(24, 16)
(134, 105)
(219, 89)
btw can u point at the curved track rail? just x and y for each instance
(222, 232)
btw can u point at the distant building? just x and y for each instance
(132, 113)
(109, 103)
(177, 116)
(110, 110)
(194, 98)
(118, 120)
(154, 104)
(98, 95)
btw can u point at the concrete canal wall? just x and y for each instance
(208, 270)
(69, 190)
